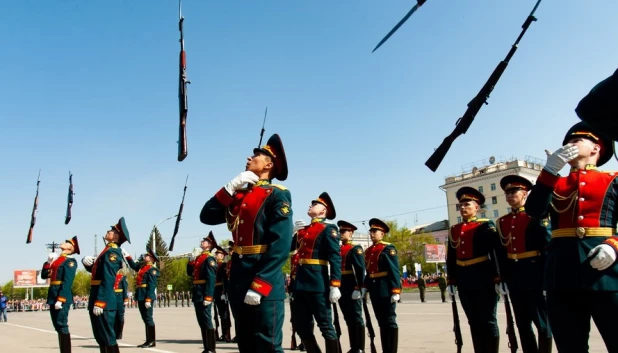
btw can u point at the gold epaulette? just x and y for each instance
(385, 243)
(482, 219)
(280, 187)
(112, 245)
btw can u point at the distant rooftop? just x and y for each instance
(492, 165)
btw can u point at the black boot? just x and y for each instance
(332, 346)
(301, 346)
(545, 344)
(384, 340)
(393, 339)
(119, 329)
(150, 338)
(147, 338)
(64, 341)
(493, 344)
(311, 345)
(352, 337)
(528, 343)
(204, 333)
(360, 339)
(211, 339)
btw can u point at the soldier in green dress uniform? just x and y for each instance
(61, 272)
(102, 300)
(525, 239)
(442, 286)
(383, 282)
(221, 296)
(581, 274)
(260, 219)
(471, 269)
(122, 300)
(145, 286)
(315, 289)
(352, 279)
(422, 286)
(203, 271)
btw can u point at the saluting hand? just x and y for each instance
(52, 257)
(557, 160)
(240, 180)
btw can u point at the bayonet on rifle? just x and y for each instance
(463, 123)
(182, 91)
(67, 218)
(34, 210)
(419, 3)
(179, 215)
(263, 130)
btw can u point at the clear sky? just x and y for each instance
(90, 86)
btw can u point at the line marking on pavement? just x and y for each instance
(88, 338)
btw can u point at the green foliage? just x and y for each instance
(410, 247)
(81, 284)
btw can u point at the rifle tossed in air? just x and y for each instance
(179, 216)
(67, 218)
(419, 3)
(463, 123)
(182, 91)
(34, 210)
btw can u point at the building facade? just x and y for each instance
(485, 176)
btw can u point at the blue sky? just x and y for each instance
(91, 87)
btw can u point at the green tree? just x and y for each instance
(410, 247)
(81, 283)
(163, 255)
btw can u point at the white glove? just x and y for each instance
(58, 305)
(451, 290)
(501, 289)
(148, 305)
(125, 253)
(335, 294)
(291, 297)
(252, 297)
(224, 297)
(560, 158)
(126, 303)
(544, 293)
(97, 311)
(88, 260)
(605, 257)
(206, 302)
(191, 258)
(52, 257)
(395, 298)
(363, 292)
(356, 295)
(240, 180)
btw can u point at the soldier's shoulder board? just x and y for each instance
(482, 219)
(280, 187)
(359, 250)
(392, 252)
(212, 262)
(154, 271)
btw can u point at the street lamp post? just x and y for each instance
(152, 233)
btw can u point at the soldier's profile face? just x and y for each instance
(111, 235)
(258, 163)
(67, 248)
(316, 209)
(587, 148)
(346, 235)
(205, 245)
(468, 208)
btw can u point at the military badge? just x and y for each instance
(71, 263)
(154, 272)
(113, 257)
(359, 251)
(334, 233)
(285, 210)
(211, 263)
(393, 252)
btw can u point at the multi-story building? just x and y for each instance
(485, 176)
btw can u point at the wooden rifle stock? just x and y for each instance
(34, 210)
(293, 345)
(510, 325)
(216, 321)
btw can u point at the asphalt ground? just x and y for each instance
(423, 327)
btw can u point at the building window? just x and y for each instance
(494, 200)
(508, 210)
(483, 215)
(457, 207)
(496, 213)
(458, 219)
(493, 186)
(481, 189)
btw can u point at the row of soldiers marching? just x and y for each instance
(554, 256)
